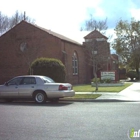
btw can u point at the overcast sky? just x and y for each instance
(67, 16)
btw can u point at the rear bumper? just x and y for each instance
(68, 93)
(61, 94)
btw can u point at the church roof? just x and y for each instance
(62, 37)
(95, 34)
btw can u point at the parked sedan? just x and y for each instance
(39, 88)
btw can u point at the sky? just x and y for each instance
(67, 16)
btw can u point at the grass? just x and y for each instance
(89, 88)
(85, 96)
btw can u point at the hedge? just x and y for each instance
(50, 67)
(132, 74)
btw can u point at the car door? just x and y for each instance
(27, 87)
(10, 89)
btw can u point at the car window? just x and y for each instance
(28, 81)
(47, 79)
(15, 81)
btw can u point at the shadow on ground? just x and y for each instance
(32, 103)
(62, 102)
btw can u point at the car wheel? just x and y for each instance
(40, 97)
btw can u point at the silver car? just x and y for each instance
(39, 88)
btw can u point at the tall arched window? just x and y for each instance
(75, 64)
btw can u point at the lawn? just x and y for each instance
(85, 96)
(89, 88)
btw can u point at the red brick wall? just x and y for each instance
(12, 60)
(69, 50)
(14, 63)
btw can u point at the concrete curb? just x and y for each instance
(98, 100)
(78, 100)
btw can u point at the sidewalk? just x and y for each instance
(132, 93)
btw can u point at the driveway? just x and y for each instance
(132, 93)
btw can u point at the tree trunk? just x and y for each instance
(95, 75)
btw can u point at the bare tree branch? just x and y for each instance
(6, 23)
(92, 24)
(3, 23)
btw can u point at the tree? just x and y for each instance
(17, 18)
(97, 54)
(3, 23)
(91, 48)
(92, 24)
(6, 23)
(127, 43)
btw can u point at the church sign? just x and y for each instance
(108, 75)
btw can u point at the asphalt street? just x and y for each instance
(69, 120)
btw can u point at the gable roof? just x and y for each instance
(95, 34)
(62, 37)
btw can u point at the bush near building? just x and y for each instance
(98, 80)
(50, 67)
(132, 75)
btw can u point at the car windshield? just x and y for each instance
(47, 79)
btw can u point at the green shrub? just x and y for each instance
(105, 80)
(132, 74)
(95, 79)
(102, 81)
(50, 67)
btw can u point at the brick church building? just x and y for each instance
(40, 42)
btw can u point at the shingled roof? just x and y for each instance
(95, 34)
(62, 37)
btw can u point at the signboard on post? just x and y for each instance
(108, 75)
